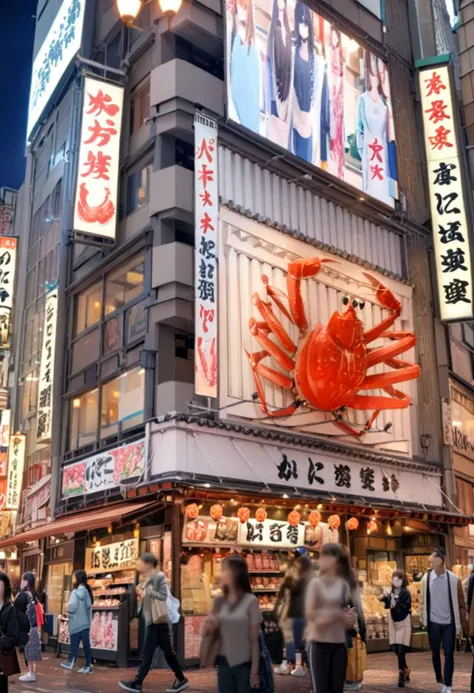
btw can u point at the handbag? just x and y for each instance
(210, 639)
(9, 665)
(159, 612)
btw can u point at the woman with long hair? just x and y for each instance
(330, 617)
(336, 138)
(296, 610)
(236, 618)
(398, 601)
(303, 83)
(9, 627)
(25, 602)
(278, 73)
(79, 611)
(244, 67)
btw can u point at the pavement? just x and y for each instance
(380, 678)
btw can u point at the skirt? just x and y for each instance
(33, 646)
(399, 632)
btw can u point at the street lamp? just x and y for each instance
(130, 9)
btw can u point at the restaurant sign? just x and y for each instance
(105, 470)
(277, 534)
(46, 381)
(8, 253)
(95, 210)
(112, 557)
(452, 247)
(16, 463)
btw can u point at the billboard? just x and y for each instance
(46, 380)
(95, 210)
(56, 53)
(451, 237)
(321, 96)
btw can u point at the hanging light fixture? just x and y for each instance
(170, 8)
(129, 10)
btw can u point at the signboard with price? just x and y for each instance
(112, 557)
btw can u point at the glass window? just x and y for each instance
(83, 419)
(137, 189)
(122, 402)
(139, 108)
(136, 321)
(125, 283)
(88, 307)
(113, 334)
(85, 351)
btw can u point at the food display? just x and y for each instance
(376, 615)
(262, 583)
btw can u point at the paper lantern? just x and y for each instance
(334, 521)
(217, 511)
(352, 523)
(243, 514)
(294, 518)
(260, 514)
(371, 526)
(192, 511)
(314, 518)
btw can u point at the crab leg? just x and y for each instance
(386, 300)
(276, 295)
(404, 341)
(273, 349)
(274, 325)
(298, 270)
(260, 370)
(383, 380)
(379, 402)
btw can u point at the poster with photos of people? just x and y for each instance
(297, 80)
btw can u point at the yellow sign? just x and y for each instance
(112, 557)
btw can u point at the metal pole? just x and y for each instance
(67, 215)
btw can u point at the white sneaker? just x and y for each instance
(30, 677)
(442, 689)
(85, 670)
(448, 689)
(282, 669)
(298, 671)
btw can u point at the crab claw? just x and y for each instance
(307, 266)
(384, 295)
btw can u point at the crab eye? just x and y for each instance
(354, 304)
(362, 304)
(345, 300)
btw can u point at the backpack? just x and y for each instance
(267, 682)
(173, 606)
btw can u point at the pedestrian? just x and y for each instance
(356, 651)
(284, 621)
(9, 630)
(305, 574)
(79, 612)
(330, 618)
(398, 601)
(235, 621)
(441, 607)
(25, 602)
(153, 592)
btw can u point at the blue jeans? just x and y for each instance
(445, 635)
(298, 633)
(232, 679)
(86, 645)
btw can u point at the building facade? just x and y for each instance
(173, 392)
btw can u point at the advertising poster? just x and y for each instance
(192, 636)
(104, 629)
(297, 80)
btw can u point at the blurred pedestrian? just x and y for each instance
(9, 632)
(356, 650)
(284, 621)
(235, 626)
(332, 603)
(79, 612)
(296, 611)
(26, 602)
(441, 604)
(398, 601)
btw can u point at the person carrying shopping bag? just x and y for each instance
(356, 652)
(79, 612)
(398, 600)
(27, 603)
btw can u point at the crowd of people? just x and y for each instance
(319, 613)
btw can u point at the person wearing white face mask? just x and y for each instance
(398, 600)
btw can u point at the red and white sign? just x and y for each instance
(206, 206)
(95, 210)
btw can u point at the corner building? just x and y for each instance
(149, 409)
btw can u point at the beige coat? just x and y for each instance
(399, 632)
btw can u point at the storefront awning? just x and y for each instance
(94, 519)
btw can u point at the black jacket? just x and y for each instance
(298, 597)
(8, 626)
(402, 608)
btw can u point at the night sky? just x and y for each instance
(17, 28)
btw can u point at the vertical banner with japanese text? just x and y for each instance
(8, 252)
(16, 463)
(206, 206)
(46, 381)
(447, 201)
(95, 210)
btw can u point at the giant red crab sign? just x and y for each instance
(327, 368)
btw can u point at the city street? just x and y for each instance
(381, 675)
